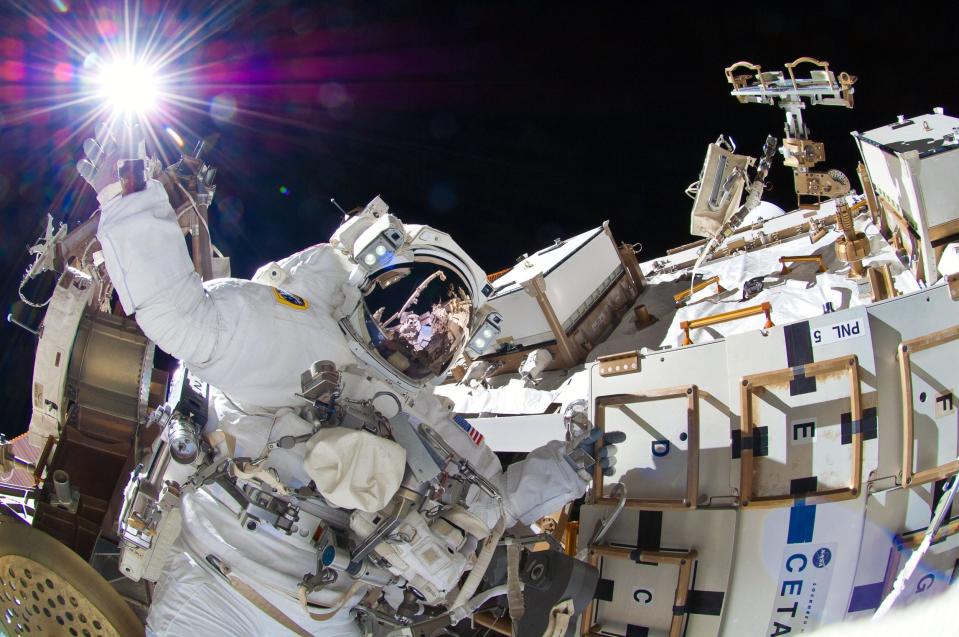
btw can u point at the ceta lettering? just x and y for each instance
(796, 556)
(794, 586)
(781, 629)
(787, 609)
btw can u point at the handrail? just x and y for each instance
(747, 65)
(499, 625)
(750, 383)
(906, 349)
(824, 65)
(702, 285)
(810, 258)
(691, 492)
(733, 315)
(914, 539)
(683, 559)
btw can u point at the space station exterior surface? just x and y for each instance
(786, 385)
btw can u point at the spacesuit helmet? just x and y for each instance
(422, 298)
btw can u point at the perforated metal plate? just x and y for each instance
(46, 589)
(35, 600)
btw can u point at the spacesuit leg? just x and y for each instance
(190, 600)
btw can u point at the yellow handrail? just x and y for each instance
(811, 258)
(748, 65)
(702, 285)
(763, 308)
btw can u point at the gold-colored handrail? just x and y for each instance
(691, 492)
(806, 59)
(702, 285)
(499, 625)
(683, 559)
(914, 539)
(495, 275)
(724, 317)
(810, 258)
(906, 349)
(750, 383)
(747, 65)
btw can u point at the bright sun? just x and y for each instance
(129, 87)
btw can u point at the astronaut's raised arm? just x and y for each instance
(153, 275)
(248, 339)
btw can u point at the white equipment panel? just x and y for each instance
(933, 375)
(638, 596)
(576, 272)
(912, 165)
(804, 423)
(669, 431)
(895, 521)
(794, 568)
(806, 383)
(70, 298)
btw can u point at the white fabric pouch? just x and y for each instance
(354, 469)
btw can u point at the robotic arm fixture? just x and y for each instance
(716, 211)
(792, 94)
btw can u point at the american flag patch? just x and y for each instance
(470, 430)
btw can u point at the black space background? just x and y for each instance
(505, 124)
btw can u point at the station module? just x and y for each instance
(786, 384)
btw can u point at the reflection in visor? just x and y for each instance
(422, 345)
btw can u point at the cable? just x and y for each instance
(196, 210)
(23, 282)
(939, 516)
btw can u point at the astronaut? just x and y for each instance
(230, 572)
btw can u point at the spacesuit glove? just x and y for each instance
(585, 454)
(113, 141)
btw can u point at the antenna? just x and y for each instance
(338, 207)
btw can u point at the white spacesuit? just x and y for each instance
(251, 341)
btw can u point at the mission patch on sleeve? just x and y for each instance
(290, 300)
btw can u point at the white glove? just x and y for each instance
(113, 142)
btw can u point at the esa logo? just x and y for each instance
(821, 557)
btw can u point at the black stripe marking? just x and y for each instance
(632, 630)
(869, 425)
(604, 590)
(705, 602)
(803, 486)
(760, 441)
(798, 353)
(649, 536)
